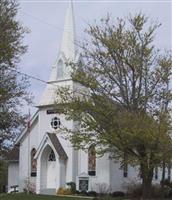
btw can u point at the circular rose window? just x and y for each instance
(55, 122)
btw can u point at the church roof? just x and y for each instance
(54, 141)
(57, 145)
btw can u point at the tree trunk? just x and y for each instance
(147, 175)
(146, 187)
(163, 178)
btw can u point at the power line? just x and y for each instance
(29, 76)
(41, 20)
(76, 42)
(32, 77)
(47, 23)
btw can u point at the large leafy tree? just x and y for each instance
(13, 86)
(122, 97)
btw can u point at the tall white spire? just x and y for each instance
(68, 39)
(68, 48)
(61, 72)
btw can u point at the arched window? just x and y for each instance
(60, 69)
(92, 160)
(52, 156)
(33, 163)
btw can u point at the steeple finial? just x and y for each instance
(68, 38)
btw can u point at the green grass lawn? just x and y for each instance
(35, 197)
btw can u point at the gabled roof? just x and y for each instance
(56, 144)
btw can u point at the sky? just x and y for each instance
(45, 20)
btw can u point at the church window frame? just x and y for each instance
(33, 172)
(92, 160)
(55, 122)
(83, 184)
(60, 69)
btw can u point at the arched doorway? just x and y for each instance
(49, 169)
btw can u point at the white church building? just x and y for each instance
(44, 159)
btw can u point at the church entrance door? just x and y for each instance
(51, 170)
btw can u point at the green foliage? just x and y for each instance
(72, 186)
(64, 191)
(167, 183)
(13, 87)
(21, 196)
(133, 190)
(122, 97)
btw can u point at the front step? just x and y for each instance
(48, 191)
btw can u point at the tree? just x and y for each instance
(121, 95)
(13, 87)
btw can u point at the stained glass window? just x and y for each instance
(92, 160)
(33, 163)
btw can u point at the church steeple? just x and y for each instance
(68, 39)
(60, 72)
(67, 50)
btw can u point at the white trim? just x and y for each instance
(45, 141)
(42, 144)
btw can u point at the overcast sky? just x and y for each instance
(45, 21)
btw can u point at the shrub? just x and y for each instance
(134, 189)
(167, 183)
(64, 191)
(84, 193)
(169, 195)
(29, 187)
(77, 192)
(72, 186)
(156, 191)
(92, 193)
(118, 194)
(103, 198)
